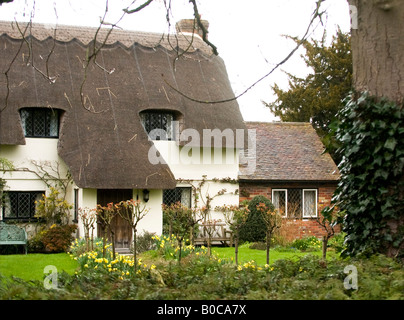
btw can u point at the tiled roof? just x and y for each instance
(289, 151)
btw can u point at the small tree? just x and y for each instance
(272, 220)
(208, 225)
(328, 221)
(88, 218)
(132, 211)
(235, 217)
(182, 220)
(105, 216)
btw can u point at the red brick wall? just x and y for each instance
(293, 228)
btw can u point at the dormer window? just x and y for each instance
(158, 124)
(40, 122)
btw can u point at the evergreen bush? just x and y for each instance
(254, 229)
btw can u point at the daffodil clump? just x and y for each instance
(169, 247)
(310, 243)
(252, 266)
(122, 266)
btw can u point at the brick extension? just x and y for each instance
(290, 156)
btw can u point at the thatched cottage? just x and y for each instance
(110, 110)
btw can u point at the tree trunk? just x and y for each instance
(134, 249)
(268, 245)
(377, 47)
(180, 251)
(377, 43)
(112, 233)
(236, 250)
(325, 242)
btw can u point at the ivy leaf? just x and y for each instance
(390, 143)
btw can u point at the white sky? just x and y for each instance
(248, 34)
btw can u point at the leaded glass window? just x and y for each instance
(20, 205)
(309, 203)
(182, 195)
(158, 125)
(279, 200)
(40, 122)
(295, 203)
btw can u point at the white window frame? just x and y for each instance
(304, 215)
(286, 200)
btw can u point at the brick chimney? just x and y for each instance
(191, 26)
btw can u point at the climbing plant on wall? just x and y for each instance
(5, 165)
(371, 133)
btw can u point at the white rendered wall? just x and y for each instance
(41, 151)
(193, 164)
(153, 220)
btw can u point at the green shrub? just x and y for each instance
(254, 229)
(145, 242)
(35, 243)
(337, 242)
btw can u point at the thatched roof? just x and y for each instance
(289, 151)
(101, 137)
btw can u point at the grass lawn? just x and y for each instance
(246, 254)
(31, 266)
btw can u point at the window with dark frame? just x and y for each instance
(179, 194)
(20, 205)
(158, 125)
(40, 122)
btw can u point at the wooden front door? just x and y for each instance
(121, 228)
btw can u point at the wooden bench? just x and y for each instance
(218, 231)
(12, 235)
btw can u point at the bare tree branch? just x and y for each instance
(316, 14)
(203, 28)
(144, 5)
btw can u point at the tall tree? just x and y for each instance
(317, 98)
(377, 48)
(371, 132)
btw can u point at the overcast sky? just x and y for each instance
(248, 34)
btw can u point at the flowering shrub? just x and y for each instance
(53, 208)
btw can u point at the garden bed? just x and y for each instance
(159, 275)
